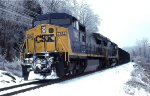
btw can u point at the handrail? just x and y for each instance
(65, 49)
(21, 52)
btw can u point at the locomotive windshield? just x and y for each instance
(60, 21)
(36, 23)
(55, 21)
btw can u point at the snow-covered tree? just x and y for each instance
(81, 10)
(32, 5)
(141, 50)
(13, 24)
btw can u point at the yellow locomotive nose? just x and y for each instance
(46, 38)
(41, 39)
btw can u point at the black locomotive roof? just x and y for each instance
(98, 36)
(55, 16)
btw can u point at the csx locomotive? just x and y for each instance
(58, 43)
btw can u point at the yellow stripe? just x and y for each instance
(91, 55)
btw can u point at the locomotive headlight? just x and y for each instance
(43, 29)
(38, 61)
(29, 60)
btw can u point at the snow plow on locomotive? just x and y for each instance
(58, 44)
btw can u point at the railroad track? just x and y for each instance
(16, 89)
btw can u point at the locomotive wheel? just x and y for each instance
(74, 71)
(60, 69)
(114, 62)
(82, 67)
(101, 65)
(25, 73)
(105, 63)
(108, 63)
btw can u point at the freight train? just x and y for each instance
(58, 43)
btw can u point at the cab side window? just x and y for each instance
(75, 25)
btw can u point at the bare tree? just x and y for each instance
(52, 6)
(141, 50)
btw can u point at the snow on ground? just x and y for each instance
(12, 75)
(7, 79)
(110, 82)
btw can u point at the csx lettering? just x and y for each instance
(44, 38)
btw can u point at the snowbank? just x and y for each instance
(139, 84)
(8, 79)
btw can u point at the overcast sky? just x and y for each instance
(123, 21)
